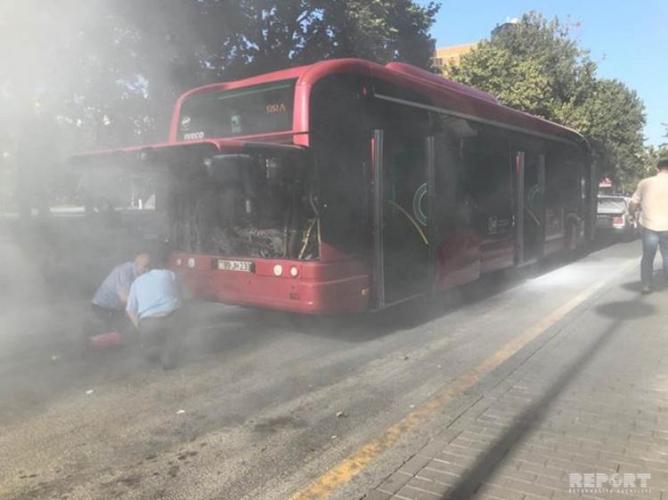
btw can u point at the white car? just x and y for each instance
(613, 216)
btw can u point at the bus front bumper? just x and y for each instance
(300, 287)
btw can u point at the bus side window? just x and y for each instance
(563, 188)
(451, 211)
(488, 184)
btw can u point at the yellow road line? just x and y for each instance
(351, 466)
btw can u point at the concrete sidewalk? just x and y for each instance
(586, 416)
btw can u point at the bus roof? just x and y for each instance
(444, 95)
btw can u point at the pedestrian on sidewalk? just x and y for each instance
(651, 199)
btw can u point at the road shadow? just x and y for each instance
(530, 419)
(624, 310)
(660, 284)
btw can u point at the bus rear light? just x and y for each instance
(618, 221)
(191, 262)
(294, 272)
(278, 270)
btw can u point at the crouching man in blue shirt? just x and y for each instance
(154, 305)
(111, 297)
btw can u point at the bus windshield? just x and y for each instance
(259, 204)
(231, 113)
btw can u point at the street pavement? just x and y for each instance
(586, 415)
(501, 389)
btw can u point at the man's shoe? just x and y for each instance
(646, 290)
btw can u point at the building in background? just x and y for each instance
(451, 55)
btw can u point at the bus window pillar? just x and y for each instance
(541, 206)
(519, 197)
(378, 276)
(432, 228)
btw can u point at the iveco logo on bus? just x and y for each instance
(276, 108)
(193, 136)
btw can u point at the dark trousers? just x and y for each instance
(160, 337)
(154, 331)
(651, 240)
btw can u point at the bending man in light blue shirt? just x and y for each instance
(155, 294)
(153, 305)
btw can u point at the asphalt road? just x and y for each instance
(261, 405)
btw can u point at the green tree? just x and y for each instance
(107, 72)
(652, 155)
(382, 30)
(537, 66)
(612, 118)
(112, 69)
(181, 44)
(214, 39)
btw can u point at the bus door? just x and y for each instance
(402, 173)
(530, 206)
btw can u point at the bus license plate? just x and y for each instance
(235, 265)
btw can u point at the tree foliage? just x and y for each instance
(537, 66)
(108, 71)
(120, 65)
(612, 118)
(653, 154)
(210, 40)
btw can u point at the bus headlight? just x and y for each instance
(294, 272)
(278, 270)
(191, 262)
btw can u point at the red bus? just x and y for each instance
(346, 186)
